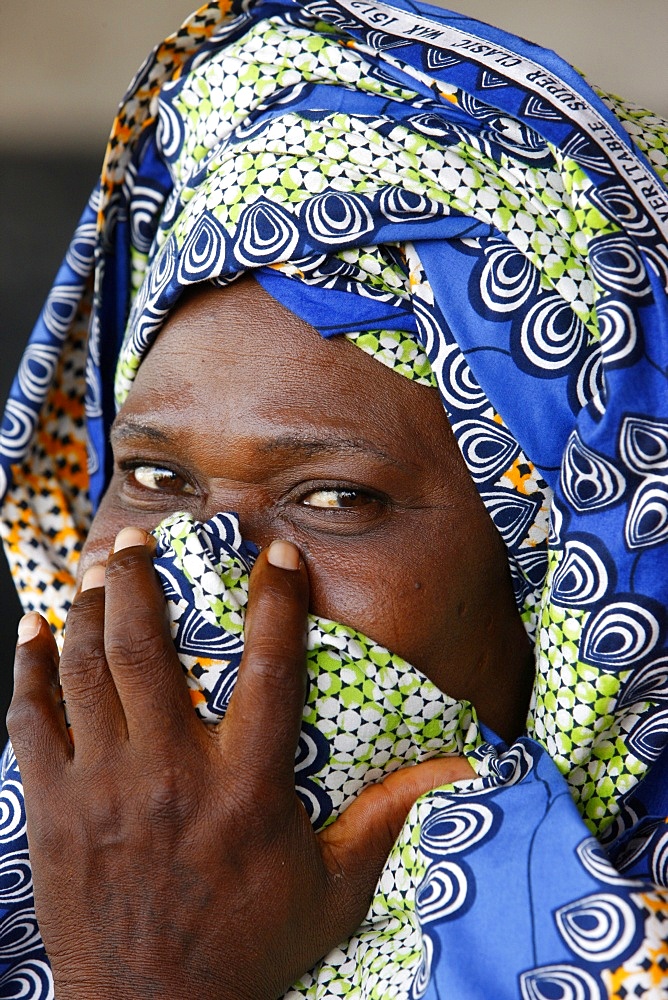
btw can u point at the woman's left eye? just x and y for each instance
(155, 477)
(338, 499)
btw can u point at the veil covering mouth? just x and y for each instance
(464, 207)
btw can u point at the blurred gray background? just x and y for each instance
(64, 67)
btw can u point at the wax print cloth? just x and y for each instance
(463, 206)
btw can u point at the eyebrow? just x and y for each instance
(132, 427)
(306, 443)
(318, 443)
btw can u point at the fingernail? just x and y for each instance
(128, 537)
(93, 577)
(285, 555)
(29, 627)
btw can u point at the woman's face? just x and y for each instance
(241, 406)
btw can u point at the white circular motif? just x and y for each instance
(162, 269)
(335, 217)
(460, 388)
(599, 927)
(556, 526)
(488, 448)
(423, 974)
(590, 383)
(455, 827)
(307, 752)
(580, 148)
(619, 334)
(398, 205)
(80, 253)
(589, 480)
(617, 264)
(145, 209)
(3, 482)
(12, 819)
(32, 979)
(581, 577)
(647, 518)
(511, 767)
(442, 892)
(171, 131)
(433, 125)
(511, 513)
(198, 636)
(660, 862)
(619, 634)
(93, 462)
(266, 234)
(203, 252)
(508, 279)
(15, 878)
(36, 370)
(559, 982)
(643, 444)
(60, 309)
(595, 861)
(93, 398)
(17, 429)
(616, 200)
(310, 803)
(19, 934)
(649, 683)
(551, 335)
(648, 739)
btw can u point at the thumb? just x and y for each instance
(357, 845)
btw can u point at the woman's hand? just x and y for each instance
(173, 859)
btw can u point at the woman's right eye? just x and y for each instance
(160, 479)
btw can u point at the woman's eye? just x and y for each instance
(338, 499)
(155, 477)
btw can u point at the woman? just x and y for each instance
(464, 209)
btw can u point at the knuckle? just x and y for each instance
(172, 798)
(105, 811)
(29, 725)
(274, 667)
(125, 561)
(79, 669)
(278, 598)
(52, 832)
(128, 647)
(25, 720)
(85, 609)
(22, 720)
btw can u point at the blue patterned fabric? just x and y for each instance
(464, 207)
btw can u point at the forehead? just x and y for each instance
(235, 357)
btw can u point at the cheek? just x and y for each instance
(430, 598)
(403, 594)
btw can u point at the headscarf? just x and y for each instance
(502, 228)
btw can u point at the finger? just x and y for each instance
(36, 721)
(357, 845)
(93, 706)
(263, 721)
(140, 652)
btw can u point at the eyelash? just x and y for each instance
(131, 469)
(305, 490)
(339, 490)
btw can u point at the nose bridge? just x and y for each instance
(252, 505)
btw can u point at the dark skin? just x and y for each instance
(241, 406)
